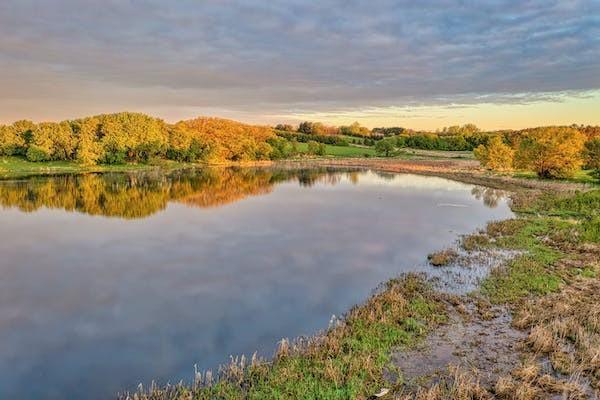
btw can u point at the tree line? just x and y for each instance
(551, 152)
(135, 137)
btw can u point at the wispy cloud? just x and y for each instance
(256, 58)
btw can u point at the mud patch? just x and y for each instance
(476, 338)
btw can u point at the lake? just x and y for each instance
(116, 279)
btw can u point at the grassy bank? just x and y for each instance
(15, 167)
(551, 288)
(341, 151)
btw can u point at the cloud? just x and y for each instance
(281, 57)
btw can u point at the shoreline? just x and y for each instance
(557, 253)
(507, 301)
(462, 170)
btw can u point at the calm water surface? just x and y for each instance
(108, 281)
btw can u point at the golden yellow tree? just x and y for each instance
(14, 138)
(89, 149)
(496, 155)
(552, 152)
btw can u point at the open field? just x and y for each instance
(342, 151)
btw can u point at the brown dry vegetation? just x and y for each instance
(442, 258)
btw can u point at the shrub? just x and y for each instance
(281, 148)
(385, 147)
(35, 153)
(552, 152)
(495, 155)
(317, 149)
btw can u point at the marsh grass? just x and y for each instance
(554, 290)
(443, 257)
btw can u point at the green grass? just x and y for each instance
(14, 167)
(581, 176)
(555, 224)
(342, 151)
(436, 154)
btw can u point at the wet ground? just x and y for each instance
(478, 337)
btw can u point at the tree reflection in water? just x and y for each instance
(138, 195)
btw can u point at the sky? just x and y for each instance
(417, 64)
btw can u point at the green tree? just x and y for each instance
(305, 127)
(385, 147)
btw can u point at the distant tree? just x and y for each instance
(355, 129)
(285, 127)
(392, 131)
(496, 155)
(552, 152)
(305, 127)
(385, 147)
(317, 128)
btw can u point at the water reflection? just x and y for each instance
(491, 197)
(138, 195)
(90, 306)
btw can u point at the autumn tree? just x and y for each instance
(88, 149)
(51, 141)
(132, 137)
(226, 140)
(15, 138)
(10, 142)
(496, 155)
(552, 152)
(592, 156)
(355, 129)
